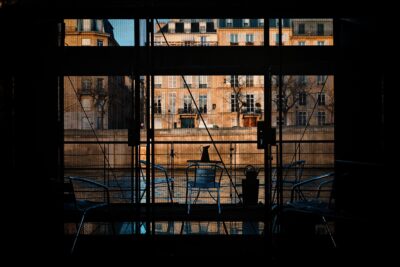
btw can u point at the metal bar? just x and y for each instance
(198, 142)
(148, 137)
(280, 144)
(60, 115)
(152, 63)
(136, 127)
(206, 60)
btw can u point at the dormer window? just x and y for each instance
(260, 22)
(229, 22)
(246, 22)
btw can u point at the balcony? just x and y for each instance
(186, 111)
(313, 33)
(252, 112)
(85, 91)
(249, 43)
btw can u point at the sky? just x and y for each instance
(124, 31)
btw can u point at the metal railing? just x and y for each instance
(173, 156)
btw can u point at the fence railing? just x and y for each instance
(110, 164)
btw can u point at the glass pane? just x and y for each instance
(209, 32)
(302, 32)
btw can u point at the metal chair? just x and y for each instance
(160, 180)
(203, 176)
(309, 199)
(292, 174)
(83, 206)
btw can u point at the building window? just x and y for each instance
(321, 99)
(234, 81)
(86, 85)
(321, 79)
(260, 22)
(187, 104)
(99, 122)
(302, 28)
(171, 81)
(86, 42)
(249, 81)
(321, 117)
(172, 101)
(302, 43)
(203, 103)
(99, 42)
(320, 29)
(234, 39)
(87, 25)
(301, 118)
(246, 22)
(100, 85)
(202, 27)
(249, 39)
(203, 41)
(157, 105)
(229, 22)
(302, 99)
(187, 123)
(234, 103)
(203, 81)
(321, 43)
(189, 81)
(157, 81)
(250, 103)
(99, 25)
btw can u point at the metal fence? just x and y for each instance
(110, 163)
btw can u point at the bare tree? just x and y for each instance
(101, 99)
(238, 97)
(330, 105)
(294, 90)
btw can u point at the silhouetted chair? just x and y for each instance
(310, 204)
(203, 176)
(98, 192)
(292, 174)
(165, 179)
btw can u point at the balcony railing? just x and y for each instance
(313, 33)
(85, 91)
(256, 111)
(173, 155)
(186, 111)
(180, 43)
